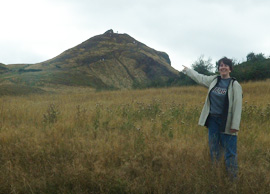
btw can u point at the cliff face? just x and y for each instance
(109, 60)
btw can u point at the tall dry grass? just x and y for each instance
(76, 140)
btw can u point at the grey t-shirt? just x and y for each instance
(218, 96)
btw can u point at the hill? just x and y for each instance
(18, 90)
(106, 61)
(3, 68)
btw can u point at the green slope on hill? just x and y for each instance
(17, 90)
(109, 60)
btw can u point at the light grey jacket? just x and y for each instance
(234, 97)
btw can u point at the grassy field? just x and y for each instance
(76, 140)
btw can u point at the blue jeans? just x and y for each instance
(219, 143)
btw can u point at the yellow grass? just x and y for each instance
(75, 140)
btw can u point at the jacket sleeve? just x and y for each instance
(200, 78)
(237, 105)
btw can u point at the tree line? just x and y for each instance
(256, 67)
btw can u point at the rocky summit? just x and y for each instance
(106, 61)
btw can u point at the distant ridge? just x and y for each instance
(3, 68)
(106, 61)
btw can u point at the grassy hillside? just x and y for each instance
(16, 90)
(3, 68)
(76, 140)
(106, 61)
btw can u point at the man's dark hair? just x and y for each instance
(226, 61)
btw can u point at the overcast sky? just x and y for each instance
(33, 31)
